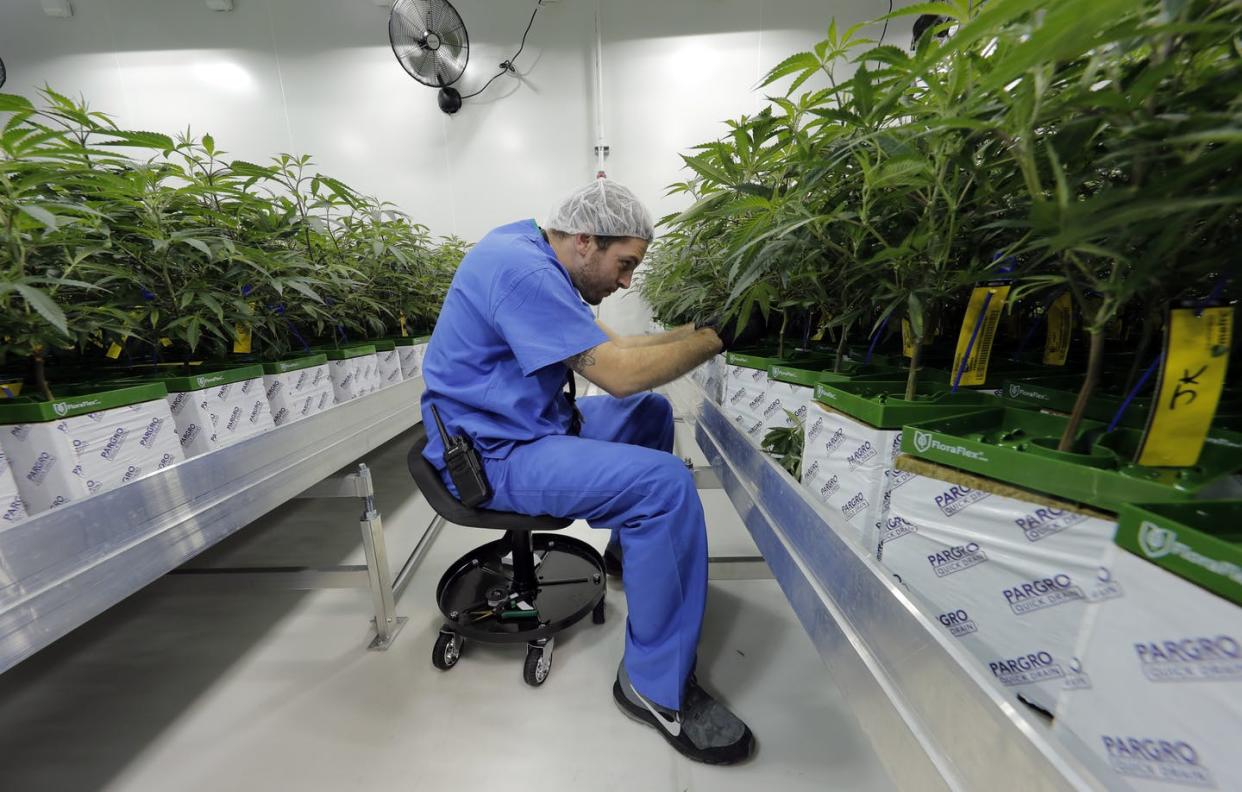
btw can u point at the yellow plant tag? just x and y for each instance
(982, 316)
(404, 332)
(241, 339)
(1196, 356)
(10, 390)
(166, 342)
(114, 351)
(1059, 326)
(907, 339)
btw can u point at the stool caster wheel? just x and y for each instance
(538, 663)
(447, 651)
(597, 615)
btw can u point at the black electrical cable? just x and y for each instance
(884, 32)
(508, 65)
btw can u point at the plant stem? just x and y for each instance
(912, 379)
(845, 331)
(780, 344)
(1095, 361)
(40, 377)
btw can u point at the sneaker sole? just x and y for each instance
(641, 715)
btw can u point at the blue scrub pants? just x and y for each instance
(619, 475)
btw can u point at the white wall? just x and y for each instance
(318, 77)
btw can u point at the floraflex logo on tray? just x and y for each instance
(207, 380)
(922, 441)
(1156, 541)
(1016, 391)
(926, 441)
(1214, 658)
(1027, 669)
(952, 560)
(63, 408)
(1157, 759)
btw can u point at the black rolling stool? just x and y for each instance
(523, 588)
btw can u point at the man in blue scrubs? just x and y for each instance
(514, 325)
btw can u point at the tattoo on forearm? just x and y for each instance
(582, 361)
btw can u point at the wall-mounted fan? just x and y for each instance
(430, 40)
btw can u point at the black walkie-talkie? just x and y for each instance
(464, 466)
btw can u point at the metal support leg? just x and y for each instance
(387, 623)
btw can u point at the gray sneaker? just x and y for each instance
(704, 730)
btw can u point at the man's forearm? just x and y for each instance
(625, 371)
(656, 339)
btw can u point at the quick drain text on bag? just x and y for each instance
(1042, 593)
(1045, 522)
(955, 559)
(1026, 669)
(956, 498)
(1198, 659)
(958, 622)
(1174, 761)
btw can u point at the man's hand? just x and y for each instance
(731, 337)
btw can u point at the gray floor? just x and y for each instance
(179, 688)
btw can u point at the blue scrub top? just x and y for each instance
(494, 366)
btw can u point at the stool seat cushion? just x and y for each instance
(428, 480)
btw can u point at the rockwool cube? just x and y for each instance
(298, 388)
(12, 508)
(845, 466)
(1159, 693)
(745, 396)
(789, 390)
(1014, 581)
(71, 448)
(389, 368)
(354, 372)
(215, 409)
(711, 376)
(411, 351)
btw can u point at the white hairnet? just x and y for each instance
(603, 208)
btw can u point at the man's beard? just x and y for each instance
(589, 269)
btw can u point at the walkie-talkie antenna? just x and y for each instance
(444, 438)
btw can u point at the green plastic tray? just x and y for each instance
(1060, 393)
(763, 362)
(78, 401)
(1201, 542)
(408, 341)
(347, 352)
(383, 344)
(295, 364)
(204, 377)
(883, 405)
(1019, 446)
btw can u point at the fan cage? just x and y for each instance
(429, 40)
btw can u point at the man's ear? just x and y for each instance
(583, 243)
